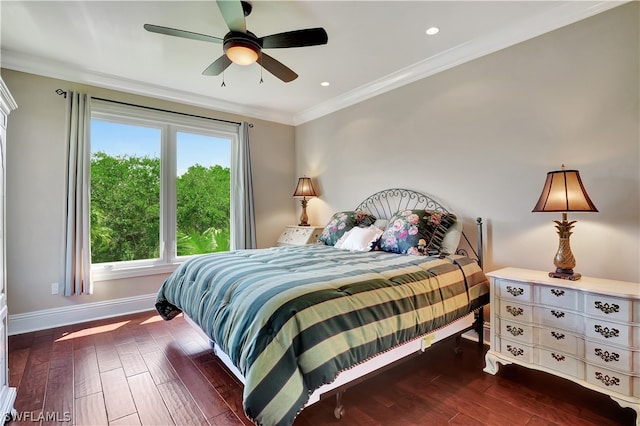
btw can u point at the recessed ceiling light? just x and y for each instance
(432, 30)
(325, 84)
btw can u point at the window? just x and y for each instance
(160, 189)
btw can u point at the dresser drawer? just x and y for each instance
(609, 332)
(516, 331)
(612, 357)
(556, 296)
(299, 235)
(562, 362)
(609, 307)
(560, 340)
(558, 318)
(513, 290)
(516, 350)
(610, 380)
(516, 311)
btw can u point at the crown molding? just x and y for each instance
(63, 71)
(563, 15)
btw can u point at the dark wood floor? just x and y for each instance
(139, 369)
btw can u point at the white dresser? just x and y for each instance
(299, 235)
(587, 331)
(7, 394)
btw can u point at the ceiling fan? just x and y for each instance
(242, 47)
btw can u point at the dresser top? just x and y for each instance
(590, 284)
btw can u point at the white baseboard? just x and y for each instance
(56, 317)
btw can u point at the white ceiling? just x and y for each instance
(374, 46)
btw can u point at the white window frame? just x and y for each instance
(169, 124)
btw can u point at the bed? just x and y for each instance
(298, 323)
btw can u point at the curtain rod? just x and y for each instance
(61, 92)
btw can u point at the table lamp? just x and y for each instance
(304, 189)
(563, 192)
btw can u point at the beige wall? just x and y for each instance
(483, 135)
(35, 190)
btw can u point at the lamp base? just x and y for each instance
(565, 275)
(304, 224)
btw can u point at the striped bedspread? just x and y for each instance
(292, 318)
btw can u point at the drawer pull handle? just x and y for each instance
(557, 292)
(514, 311)
(606, 356)
(515, 351)
(606, 308)
(606, 333)
(557, 357)
(516, 331)
(515, 291)
(608, 381)
(557, 314)
(558, 336)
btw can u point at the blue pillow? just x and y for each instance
(418, 232)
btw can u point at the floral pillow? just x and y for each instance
(341, 222)
(418, 232)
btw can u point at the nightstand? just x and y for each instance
(299, 235)
(586, 331)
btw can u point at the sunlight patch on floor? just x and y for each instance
(92, 330)
(155, 318)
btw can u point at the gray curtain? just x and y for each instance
(243, 221)
(77, 249)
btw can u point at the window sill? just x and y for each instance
(109, 272)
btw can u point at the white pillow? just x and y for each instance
(452, 238)
(381, 223)
(359, 239)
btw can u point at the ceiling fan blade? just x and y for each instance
(217, 66)
(233, 15)
(277, 68)
(298, 38)
(181, 33)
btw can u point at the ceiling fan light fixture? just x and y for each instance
(241, 55)
(242, 47)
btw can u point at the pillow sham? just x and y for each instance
(451, 238)
(418, 232)
(359, 239)
(341, 222)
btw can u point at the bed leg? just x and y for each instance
(479, 326)
(338, 412)
(458, 348)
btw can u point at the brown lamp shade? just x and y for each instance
(563, 192)
(305, 188)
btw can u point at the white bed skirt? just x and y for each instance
(363, 369)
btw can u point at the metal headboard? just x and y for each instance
(386, 203)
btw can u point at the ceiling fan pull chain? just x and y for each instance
(223, 85)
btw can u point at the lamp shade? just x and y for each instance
(241, 55)
(563, 192)
(305, 188)
(241, 49)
